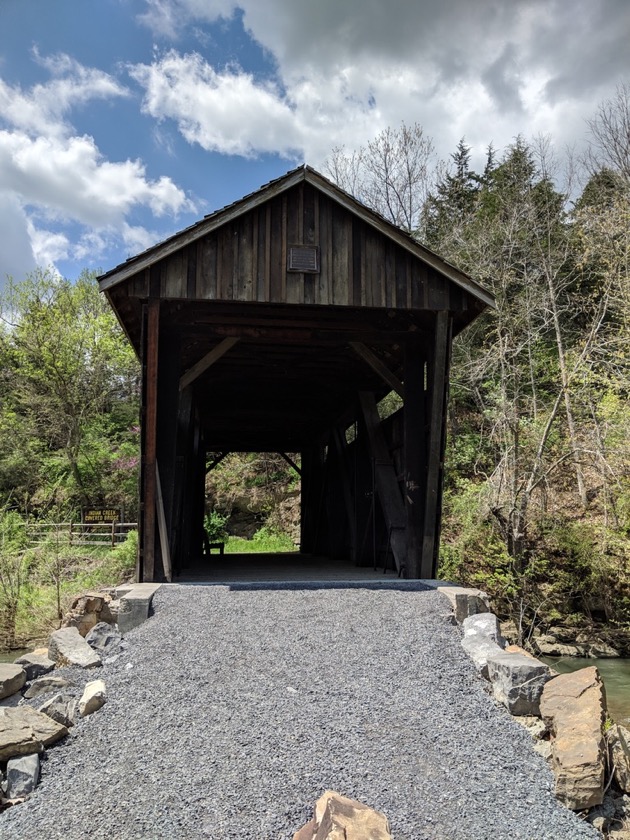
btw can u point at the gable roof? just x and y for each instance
(302, 174)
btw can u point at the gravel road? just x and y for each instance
(233, 708)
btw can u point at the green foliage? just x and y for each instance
(215, 525)
(265, 541)
(69, 398)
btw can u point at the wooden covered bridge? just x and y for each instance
(277, 324)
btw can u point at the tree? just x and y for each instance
(392, 174)
(609, 145)
(69, 387)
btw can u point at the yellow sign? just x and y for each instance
(98, 516)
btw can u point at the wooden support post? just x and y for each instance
(344, 476)
(438, 394)
(386, 483)
(414, 463)
(149, 494)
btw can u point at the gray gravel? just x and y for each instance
(232, 709)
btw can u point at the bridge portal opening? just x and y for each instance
(277, 325)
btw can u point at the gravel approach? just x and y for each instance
(233, 708)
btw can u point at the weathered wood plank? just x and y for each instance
(161, 518)
(175, 275)
(341, 257)
(438, 392)
(207, 269)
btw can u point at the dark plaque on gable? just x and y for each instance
(303, 258)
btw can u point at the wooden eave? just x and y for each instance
(306, 174)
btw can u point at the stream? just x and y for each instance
(614, 672)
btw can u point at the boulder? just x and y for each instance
(22, 775)
(44, 685)
(517, 681)
(480, 648)
(61, 708)
(464, 601)
(618, 738)
(339, 818)
(573, 707)
(104, 638)
(94, 697)
(87, 610)
(12, 678)
(482, 639)
(484, 624)
(35, 665)
(67, 647)
(550, 646)
(24, 730)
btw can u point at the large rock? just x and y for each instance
(517, 681)
(573, 706)
(67, 647)
(35, 665)
(482, 639)
(22, 776)
(12, 678)
(618, 738)
(61, 708)
(87, 610)
(94, 697)
(24, 730)
(103, 638)
(484, 624)
(44, 685)
(339, 818)
(465, 601)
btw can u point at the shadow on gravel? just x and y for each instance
(294, 585)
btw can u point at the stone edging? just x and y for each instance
(568, 709)
(91, 636)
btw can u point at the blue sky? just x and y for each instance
(123, 121)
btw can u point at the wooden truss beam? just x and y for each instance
(378, 367)
(207, 361)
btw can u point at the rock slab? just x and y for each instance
(94, 697)
(518, 681)
(12, 678)
(68, 647)
(35, 664)
(573, 707)
(60, 708)
(103, 638)
(618, 738)
(482, 639)
(339, 818)
(22, 776)
(24, 730)
(44, 685)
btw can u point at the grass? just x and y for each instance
(264, 541)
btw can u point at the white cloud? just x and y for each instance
(486, 69)
(48, 171)
(17, 257)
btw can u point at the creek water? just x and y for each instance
(615, 674)
(12, 655)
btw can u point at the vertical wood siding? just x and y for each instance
(246, 260)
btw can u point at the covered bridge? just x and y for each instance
(277, 324)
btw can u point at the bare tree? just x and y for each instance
(393, 174)
(609, 146)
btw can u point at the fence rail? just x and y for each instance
(79, 533)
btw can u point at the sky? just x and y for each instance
(124, 121)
